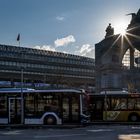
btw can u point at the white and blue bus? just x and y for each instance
(30, 106)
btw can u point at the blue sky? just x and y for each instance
(71, 26)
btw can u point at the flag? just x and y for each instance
(18, 37)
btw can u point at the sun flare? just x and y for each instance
(123, 32)
(120, 29)
(120, 26)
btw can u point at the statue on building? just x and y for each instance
(109, 31)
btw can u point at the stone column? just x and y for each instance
(132, 58)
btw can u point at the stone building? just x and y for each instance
(117, 59)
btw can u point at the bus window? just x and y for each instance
(131, 103)
(138, 104)
(119, 104)
(99, 105)
(55, 106)
(48, 103)
(114, 103)
(75, 108)
(107, 104)
(29, 105)
(3, 106)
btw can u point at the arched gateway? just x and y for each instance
(117, 59)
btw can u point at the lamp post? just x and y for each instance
(22, 98)
(22, 94)
(105, 99)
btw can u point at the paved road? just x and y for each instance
(98, 132)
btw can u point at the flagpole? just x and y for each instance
(22, 94)
(19, 43)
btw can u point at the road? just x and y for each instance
(95, 132)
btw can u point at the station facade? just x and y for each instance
(40, 67)
(117, 59)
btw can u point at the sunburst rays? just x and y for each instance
(129, 36)
(122, 39)
(126, 37)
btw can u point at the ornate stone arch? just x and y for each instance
(109, 54)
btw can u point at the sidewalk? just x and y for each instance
(64, 126)
(112, 123)
(25, 126)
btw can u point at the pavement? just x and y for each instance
(25, 126)
(65, 126)
(93, 132)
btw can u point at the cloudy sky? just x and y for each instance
(70, 26)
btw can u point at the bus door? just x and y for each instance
(71, 109)
(14, 110)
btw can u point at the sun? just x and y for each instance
(120, 26)
(123, 32)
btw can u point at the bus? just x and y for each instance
(119, 106)
(49, 107)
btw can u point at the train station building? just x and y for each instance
(41, 68)
(117, 59)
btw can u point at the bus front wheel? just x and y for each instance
(50, 120)
(133, 117)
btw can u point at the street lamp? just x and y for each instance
(105, 98)
(22, 98)
(105, 101)
(22, 94)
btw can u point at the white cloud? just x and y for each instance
(86, 50)
(60, 18)
(45, 47)
(64, 52)
(64, 41)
